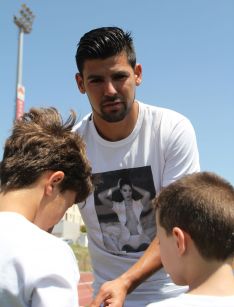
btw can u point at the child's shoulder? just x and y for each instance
(186, 300)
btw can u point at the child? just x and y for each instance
(195, 224)
(44, 171)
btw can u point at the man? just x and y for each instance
(44, 171)
(147, 145)
(195, 222)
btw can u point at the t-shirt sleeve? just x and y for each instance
(181, 152)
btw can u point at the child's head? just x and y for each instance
(201, 205)
(41, 142)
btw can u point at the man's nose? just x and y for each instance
(109, 88)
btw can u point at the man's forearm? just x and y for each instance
(149, 263)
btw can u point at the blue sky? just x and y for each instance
(186, 48)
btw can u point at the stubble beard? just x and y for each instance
(116, 115)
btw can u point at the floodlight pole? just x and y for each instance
(20, 57)
(24, 23)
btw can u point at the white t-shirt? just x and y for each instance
(36, 268)
(189, 300)
(161, 148)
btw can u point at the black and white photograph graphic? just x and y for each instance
(123, 202)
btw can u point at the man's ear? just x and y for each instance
(138, 74)
(54, 180)
(80, 83)
(180, 240)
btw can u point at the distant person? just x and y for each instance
(132, 237)
(151, 144)
(195, 222)
(44, 171)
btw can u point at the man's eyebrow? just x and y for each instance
(93, 76)
(121, 74)
(115, 73)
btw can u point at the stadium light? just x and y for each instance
(24, 23)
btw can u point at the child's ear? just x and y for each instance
(53, 181)
(180, 240)
(57, 177)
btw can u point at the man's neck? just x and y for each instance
(117, 131)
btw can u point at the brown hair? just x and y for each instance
(202, 204)
(41, 141)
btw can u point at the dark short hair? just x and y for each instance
(102, 43)
(202, 204)
(41, 141)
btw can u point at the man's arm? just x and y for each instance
(113, 293)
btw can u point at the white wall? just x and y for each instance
(69, 225)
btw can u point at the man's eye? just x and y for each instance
(95, 81)
(120, 77)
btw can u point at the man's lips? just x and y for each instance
(114, 105)
(111, 103)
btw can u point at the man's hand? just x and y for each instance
(112, 294)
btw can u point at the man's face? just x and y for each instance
(110, 86)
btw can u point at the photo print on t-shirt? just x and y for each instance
(123, 203)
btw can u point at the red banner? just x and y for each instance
(20, 101)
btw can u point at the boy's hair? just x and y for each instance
(102, 43)
(41, 141)
(202, 204)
